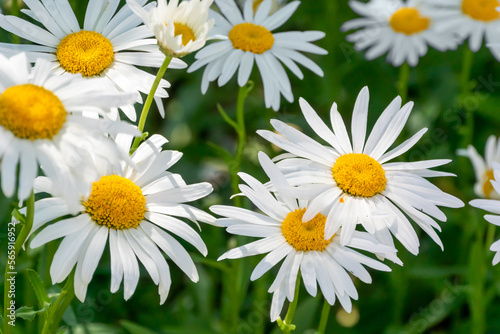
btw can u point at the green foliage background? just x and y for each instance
(429, 294)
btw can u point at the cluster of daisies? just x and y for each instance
(324, 201)
(405, 28)
(61, 135)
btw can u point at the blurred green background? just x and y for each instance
(428, 295)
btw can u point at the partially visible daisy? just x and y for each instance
(41, 123)
(472, 19)
(483, 168)
(492, 206)
(402, 29)
(248, 39)
(277, 4)
(133, 208)
(179, 28)
(355, 183)
(110, 45)
(302, 245)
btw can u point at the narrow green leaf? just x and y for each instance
(37, 285)
(27, 313)
(133, 328)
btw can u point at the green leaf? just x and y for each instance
(37, 285)
(18, 216)
(133, 328)
(96, 328)
(27, 313)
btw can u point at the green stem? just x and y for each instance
(325, 312)
(466, 70)
(149, 100)
(235, 165)
(11, 262)
(286, 325)
(59, 307)
(404, 77)
(490, 236)
(14, 11)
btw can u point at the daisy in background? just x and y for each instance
(110, 45)
(248, 39)
(277, 4)
(133, 208)
(179, 28)
(492, 206)
(402, 29)
(41, 124)
(472, 19)
(354, 182)
(301, 244)
(483, 168)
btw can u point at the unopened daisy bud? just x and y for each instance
(179, 28)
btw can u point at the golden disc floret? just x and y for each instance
(308, 236)
(31, 112)
(408, 21)
(482, 10)
(251, 37)
(359, 175)
(186, 32)
(85, 52)
(487, 186)
(116, 202)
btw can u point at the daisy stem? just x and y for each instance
(14, 11)
(149, 100)
(286, 325)
(235, 167)
(466, 70)
(11, 262)
(325, 312)
(57, 309)
(404, 77)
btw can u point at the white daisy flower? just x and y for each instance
(302, 245)
(110, 45)
(41, 123)
(356, 183)
(472, 19)
(134, 209)
(277, 4)
(402, 29)
(492, 206)
(179, 28)
(483, 168)
(248, 39)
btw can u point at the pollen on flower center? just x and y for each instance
(487, 186)
(31, 112)
(186, 32)
(85, 52)
(483, 10)
(251, 37)
(359, 175)
(116, 202)
(308, 236)
(407, 20)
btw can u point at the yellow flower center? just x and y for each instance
(251, 37)
(359, 175)
(31, 112)
(256, 4)
(116, 202)
(85, 52)
(407, 20)
(308, 236)
(487, 186)
(186, 32)
(483, 10)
